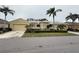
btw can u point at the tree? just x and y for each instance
(5, 10)
(53, 12)
(73, 17)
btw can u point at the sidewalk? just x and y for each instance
(12, 34)
(77, 33)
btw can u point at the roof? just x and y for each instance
(57, 22)
(19, 21)
(38, 21)
(71, 22)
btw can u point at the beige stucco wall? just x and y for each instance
(43, 25)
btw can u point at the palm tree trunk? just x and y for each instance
(4, 23)
(5, 17)
(78, 19)
(66, 20)
(53, 21)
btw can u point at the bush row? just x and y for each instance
(2, 30)
(45, 31)
(70, 29)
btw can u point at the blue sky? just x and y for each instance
(39, 11)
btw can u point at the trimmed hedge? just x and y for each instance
(70, 29)
(2, 30)
(45, 31)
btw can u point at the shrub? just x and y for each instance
(32, 30)
(5, 29)
(71, 29)
(61, 27)
(1, 29)
(48, 26)
(8, 29)
(44, 31)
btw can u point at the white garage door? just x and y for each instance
(19, 27)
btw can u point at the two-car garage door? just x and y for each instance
(20, 27)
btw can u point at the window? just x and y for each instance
(38, 25)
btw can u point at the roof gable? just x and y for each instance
(19, 21)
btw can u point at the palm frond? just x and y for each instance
(11, 12)
(1, 9)
(58, 10)
(67, 18)
(48, 12)
(49, 15)
(52, 9)
(54, 13)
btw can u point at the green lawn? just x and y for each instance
(46, 34)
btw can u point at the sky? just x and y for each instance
(39, 12)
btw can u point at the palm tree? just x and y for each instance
(53, 12)
(73, 17)
(5, 10)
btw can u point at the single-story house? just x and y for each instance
(72, 25)
(43, 25)
(3, 23)
(22, 24)
(18, 24)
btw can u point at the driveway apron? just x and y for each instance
(12, 34)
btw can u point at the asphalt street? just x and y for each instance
(59, 44)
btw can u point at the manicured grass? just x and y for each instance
(46, 34)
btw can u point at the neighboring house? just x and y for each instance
(72, 25)
(3, 23)
(18, 24)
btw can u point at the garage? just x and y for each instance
(19, 27)
(18, 24)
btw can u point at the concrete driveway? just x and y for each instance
(77, 33)
(12, 34)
